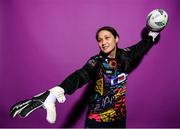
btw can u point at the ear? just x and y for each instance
(117, 39)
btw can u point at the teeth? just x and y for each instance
(105, 47)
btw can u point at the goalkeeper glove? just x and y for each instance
(46, 100)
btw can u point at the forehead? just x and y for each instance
(104, 33)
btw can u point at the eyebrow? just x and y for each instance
(105, 36)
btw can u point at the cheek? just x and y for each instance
(113, 44)
(99, 44)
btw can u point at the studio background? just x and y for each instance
(43, 41)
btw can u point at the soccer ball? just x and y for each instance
(157, 19)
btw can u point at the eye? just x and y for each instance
(99, 40)
(107, 38)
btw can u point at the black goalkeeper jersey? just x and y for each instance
(108, 80)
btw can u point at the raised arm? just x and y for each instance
(134, 54)
(142, 47)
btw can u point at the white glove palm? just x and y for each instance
(49, 104)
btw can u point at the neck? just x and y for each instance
(112, 54)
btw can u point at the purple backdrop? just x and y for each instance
(43, 41)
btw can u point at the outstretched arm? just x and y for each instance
(48, 98)
(80, 77)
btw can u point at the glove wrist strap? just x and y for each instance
(153, 34)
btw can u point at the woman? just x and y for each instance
(107, 72)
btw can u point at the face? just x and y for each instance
(107, 43)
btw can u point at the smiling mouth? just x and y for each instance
(105, 47)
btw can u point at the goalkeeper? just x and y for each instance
(107, 72)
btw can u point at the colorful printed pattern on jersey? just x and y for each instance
(108, 102)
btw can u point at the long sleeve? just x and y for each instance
(140, 49)
(80, 77)
(134, 54)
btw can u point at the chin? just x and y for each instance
(105, 52)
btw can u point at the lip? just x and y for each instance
(105, 47)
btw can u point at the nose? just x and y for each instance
(103, 42)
